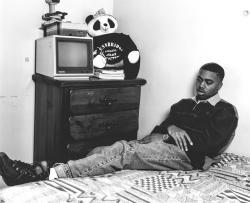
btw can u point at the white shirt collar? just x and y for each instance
(212, 100)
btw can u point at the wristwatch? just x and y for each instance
(165, 137)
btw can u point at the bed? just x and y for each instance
(226, 181)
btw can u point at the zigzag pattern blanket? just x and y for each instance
(226, 181)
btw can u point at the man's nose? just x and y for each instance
(202, 85)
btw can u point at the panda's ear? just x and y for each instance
(88, 19)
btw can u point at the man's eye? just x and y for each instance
(209, 82)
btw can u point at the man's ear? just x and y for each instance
(220, 85)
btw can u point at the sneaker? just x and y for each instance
(16, 172)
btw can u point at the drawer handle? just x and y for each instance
(108, 125)
(107, 101)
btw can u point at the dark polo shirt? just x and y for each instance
(210, 124)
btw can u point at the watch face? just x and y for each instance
(165, 137)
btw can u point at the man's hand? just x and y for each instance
(154, 137)
(180, 137)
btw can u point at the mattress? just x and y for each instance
(226, 181)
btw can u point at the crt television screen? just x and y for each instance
(72, 54)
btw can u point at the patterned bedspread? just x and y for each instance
(226, 181)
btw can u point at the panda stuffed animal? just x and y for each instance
(112, 50)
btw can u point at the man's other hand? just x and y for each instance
(180, 137)
(154, 137)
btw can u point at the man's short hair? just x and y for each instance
(214, 67)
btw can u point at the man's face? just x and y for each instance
(207, 84)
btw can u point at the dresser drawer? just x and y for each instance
(80, 149)
(95, 125)
(83, 101)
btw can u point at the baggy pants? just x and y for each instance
(127, 155)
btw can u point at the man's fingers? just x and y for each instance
(185, 137)
(180, 140)
(184, 143)
(175, 137)
(188, 138)
(176, 141)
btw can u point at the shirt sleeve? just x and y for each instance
(219, 126)
(218, 129)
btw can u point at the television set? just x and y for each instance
(61, 56)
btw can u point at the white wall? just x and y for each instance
(175, 38)
(19, 22)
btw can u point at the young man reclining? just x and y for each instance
(195, 128)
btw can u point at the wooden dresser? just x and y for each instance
(72, 117)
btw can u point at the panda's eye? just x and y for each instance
(111, 23)
(96, 25)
